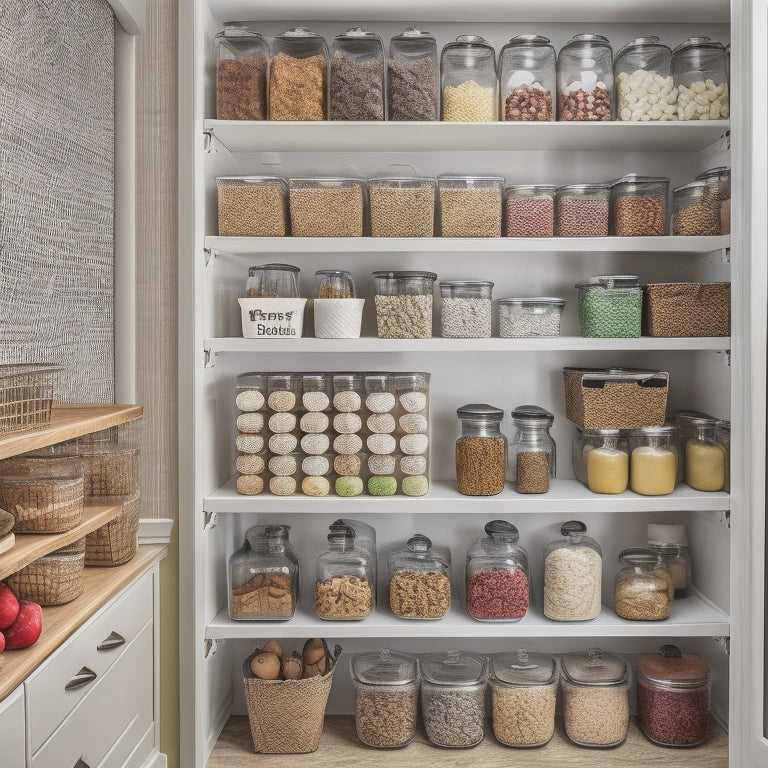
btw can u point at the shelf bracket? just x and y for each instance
(211, 646)
(725, 517)
(209, 358)
(724, 643)
(211, 253)
(726, 356)
(211, 520)
(725, 255)
(208, 143)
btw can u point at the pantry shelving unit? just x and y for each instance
(718, 375)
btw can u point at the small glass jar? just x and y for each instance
(684, 430)
(527, 79)
(345, 589)
(719, 182)
(673, 697)
(639, 206)
(404, 304)
(419, 580)
(357, 76)
(413, 77)
(645, 88)
(653, 460)
(348, 392)
(536, 317)
(241, 73)
(250, 392)
(470, 206)
(723, 439)
(595, 698)
(252, 206)
(284, 393)
(643, 590)
(582, 210)
(466, 309)
(532, 452)
(481, 451)
(497, 575)
(403, 207)
(573, 568)
(330, 207)
(705, 458)
(264, 576)
(523, 694)
(529, 210)
(610, 306)
(298, 76)
(335, 284)
(386, 698)
(701, 77)
(670, 543)
(453, 687)
(469, 81)
(696, 210)
(585, 79)
(586, 440)
(604, 460)
(273, 281)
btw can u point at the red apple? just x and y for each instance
(27, 628)
(9, 606)
(2, 642)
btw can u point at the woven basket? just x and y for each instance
(286, 716)
(115, 542)
(616, 398)
(687, 309)
(26, 396)
(54, 579)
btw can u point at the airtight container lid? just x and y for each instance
(610, 281)
(594, 668)
(523, 669)
(667, 429)
(527, 40)
(530, 190)
(413, 33)
(690, 186)
(480, 410)
(581, 189)
(546, 301)
(302, 32)
(396, 275)
(454, 668)
(356, 33)
(636, 178)
(670, 666)
(384, 667)
(642, 43)
(239, 29)
(698, 42)
(532, 413)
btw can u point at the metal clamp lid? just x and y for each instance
(573, 527)
(502, 529)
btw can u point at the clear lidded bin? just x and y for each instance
(529, 210)
(327, 207)
(251, 392)
(639, 206)
(642, 69)
(468, 80)
(601, 460)
(419, 579)
(252, 206)
(402, 207)
(585, 79)
(653, 460)
(536, 317)
(413, 77)
(695, 210)
(481, 451)
(273, 281)
(719, 181)
(582, 210)
(527, 79)
(470, 206)
(610, 306)
(643, 589)
(705, 458)
(404, 304)
(532, 451)
(466, 309)
(723, 439)
(241, 73)
(357, 76)
(701, 76)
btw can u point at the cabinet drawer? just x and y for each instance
(12, 729)
(116, 712)
(48, 701)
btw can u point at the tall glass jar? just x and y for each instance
(585, 79)
(601, 460)
(527, 79)
(469, 81)
(413, 77)
(532, 453)
(684, 430)
(723, 439)
(466, 309)
(497, 575)
(645, 88)
(481, 450)
(357, 76)
(241, 73)
(719, 184)
(705, 458)
(701, 77)
(644, 589)
(419, 580)
(653, 461)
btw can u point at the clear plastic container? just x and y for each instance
(532, 451)
(273, 281)
(696, 210)
(723, 439)
(413, 78)
(643, 590)
(466, 309)
(402, 207)
(419, 579)
(527, 79)
(670, 543)
(585, 79)
(701, 77)
(481, 451)
(335, 284)
(317, 392)
(529, 210)
(705, 458)
(413, 392)
(404, 304)
(357, 76)
(469, 81)
(582, 210)
(611, 306)
(645, 88)
(252, 206)
(284, 392)
(653, 460)
(639, 206)
(536, 317)
(719, 182)
(241, 73)
(251, 392)
(601, 460)
(470, 206)
(330, 207)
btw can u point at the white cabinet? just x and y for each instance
(12, 728)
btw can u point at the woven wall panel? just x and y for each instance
(57, 190)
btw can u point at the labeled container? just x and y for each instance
(272, 308)
(357, 76)
(673, 697)
(643, 590)
(413, 76)
(601, 460)
(386, 698)
(705, 458)
(497, 575)
(532, 451)
(527, 79)
(645, 88)
(610, 306)
(701, 78)
(402, 207)
(470, 206)
(241, 73)
(595, 698)
(585, 79)
(653, 460)
(523, 694)
(298, 76)
(337, 310)
(468, 80)
(687, 309)
(330, 207)
(582, 210)
(573, 567)
(719, 181)
(419, 580)
(670, 543)
(723, 439)
(529, 210)
(404, 304)
(696, 210)
(252, 206)
(466, 309)
(481, 451)
(536, 317)
(453, 687)
(639, 206)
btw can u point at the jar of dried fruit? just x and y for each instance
(469, 81)
(241, 73)
(357, 76)
(644, 589)
(532, 451)
(585, 79)
(527, 79)
(481, 451)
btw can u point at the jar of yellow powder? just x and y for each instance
(653, 461)
(605, 461)
(723, 438)
(705, 459)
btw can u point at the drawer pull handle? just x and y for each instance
(83, 677)
(113, 641)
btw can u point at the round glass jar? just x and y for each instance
(684, 430)
(610, 306)
(527, 79)
(357, 76)
(468, 81)
(404, 304)
(536, 317)
(529, 210)
(723, 439)
(653, 460)
(601, 460)
(413, 77)
(585, 79)
(402, 207)
(582, 210)
(719, 182)
(252, 206)
(466, 309)
(470, 206)
(241, 73)
(481, 451)
(701, 78)
(532, 451)
(645, 88)
(643, 590)
(639, 206)
(705, 458)
(273, 281)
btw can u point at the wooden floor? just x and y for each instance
(340, 748)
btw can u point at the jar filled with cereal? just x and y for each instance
(469, 81)
(645, 88)
(419, 580)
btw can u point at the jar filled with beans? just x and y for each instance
(645, 88)
(357, 76)
(404, 304)
(241, 73)
(252, 206)
(413, 77)
(470, 206)
(529, 210)
(643, 590)
(719, 181)
(330, 207)
(585, 79)
(701, 76)
(402, 207)
(527, 79)
(466, 309)
(535, 317)
(696, 210)
(532, 451)
(610, 306)
(582, 210)
(481, 451)
(639, 206)
(469, 81)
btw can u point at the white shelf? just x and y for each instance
(564, 496)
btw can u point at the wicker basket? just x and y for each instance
(115, 542)
(687, 309)
(615, 398)
(26, 396)
(54, 579)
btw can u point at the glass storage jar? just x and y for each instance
(701, 78)
(264, 576)
(470, 206)
(402, 207)
(330, 207)
(481, 451)
(723, 439)
(273, 281)
(386, 698)
(419, 580)
(695, 210)
(670, 543)
(413, 78)
(719, 181)
(335, 284)
(601, 460)
(529, 210)
(643, 590)
(645, 88)
(585, 79)
(497, 575)
(252, 206)
(673, 697)
(379, 393)
(298, 76)
(532, 452)
(404, 304)
(610, 306)
(357, 76)
(595, 698)
(573, 567)
(582, 210)
(469, 81)
(705, 458)
(453, 687)
(653, 460)
(639, 206)
(523, 693)
(684, 430)
(241, 73)
(528, 318)
(527, 79)
(466, 309)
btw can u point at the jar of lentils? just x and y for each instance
(643, 69)
(241, 73)
(402, 207)
(532, 450)
(643, 590)
(585, 79)
(357, 76)
(527, 318)
(610, 306)
(582, 210)
(466, 309)
(701, 77)
(527, 79)
(413, 78)
(639, 206)
(469, 81)
(299, 56)
(481, 451)
(529, 210)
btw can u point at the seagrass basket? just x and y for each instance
(115, 542)
(687, 309)
(26, 396)
(54, 579)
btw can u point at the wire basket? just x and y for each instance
(115, 542)
(54, 579)
(26, 396)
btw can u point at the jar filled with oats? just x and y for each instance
(527, 79)
(469, 80)
(241, 73)
(643, 590)
(532, 451)
(419, 580)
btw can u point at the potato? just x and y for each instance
(266, 666)
(314, 651)
(293, 667)
(272, 646)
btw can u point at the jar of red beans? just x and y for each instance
(581, 210)
(527, 79)
(529, 210)
(585, 79)
(639, 206)
(673, 697)
(497, 575)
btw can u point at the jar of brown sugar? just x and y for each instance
(481, 451)
(531, 450)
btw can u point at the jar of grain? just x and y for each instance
(670, 543)
(402, 207)
(527, 79)
(470, 206)
(719, 181)
(695, 210)
(700, 71)
(595, 698)
(684, 431)
(582, 210)
(298, 76)
(643, 68)
(705, 458)
(329, 207)
(386, 698)
(523, 693)
(404, 304)
(357, 76)
(466, 309)
(537, 317)
(348, 393)
(610, 306)
(469, 81)
(601, 460)
(673, 697)
(585, 79)
(264, 576)
(573, 567)
(643, 589)
(653, 460)
(532, 451)
(419, 580)
(379, 393)
(453, 687)
(723, 439)
(529, 210)
(639, 206)
(241, 73)
(284, 395)
(412, 391)
(273, 281)
(481, 451)
(252, 206)
(412, 76)
(497, 575)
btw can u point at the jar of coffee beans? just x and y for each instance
(481, 451)
(585, 79)
(527, 79)
(531, 450)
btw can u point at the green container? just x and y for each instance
(610, 306)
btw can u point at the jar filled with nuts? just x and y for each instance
(241, 73)
(585, 79)
(582, 210)
(645, 88)
(469, 81)
(526, 318)
(532, 451)
(644, 590)
(470, 206)
(527, 79)
(419, 580)
(357, 76)
(404, 304)
(466, 309)
(252, 206)
(639, 206)
(481, 451)
(413, 87)
(402, 207)
(701, 77)
(719, 181)
(529, 210)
